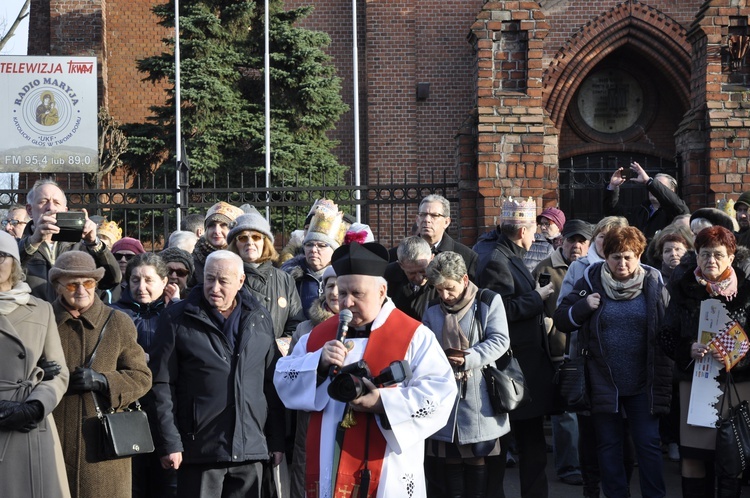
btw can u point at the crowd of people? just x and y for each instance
(337, 367)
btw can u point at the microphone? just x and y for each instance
(345, 316)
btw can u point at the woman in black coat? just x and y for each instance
(713, 276)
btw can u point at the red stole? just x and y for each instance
(387, 343)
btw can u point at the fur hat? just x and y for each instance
(519, 213)
(177, 255)
(75, 264)
(252, 220)
(327, 224)
(9, 245)
(128, 244)
(716, 217)
(223, 213)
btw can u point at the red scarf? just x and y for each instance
(387, 343)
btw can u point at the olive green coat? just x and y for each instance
(123, 362)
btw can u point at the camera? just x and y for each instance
(544, 279)
(347, 385)
(71, 226)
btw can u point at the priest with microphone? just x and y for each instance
(367, 440)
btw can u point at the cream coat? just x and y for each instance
(31, 464)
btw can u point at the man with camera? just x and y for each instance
(658, 211)
(377, 382)
(47, 236)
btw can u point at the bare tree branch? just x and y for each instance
(23, 14)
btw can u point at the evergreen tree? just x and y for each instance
(221, 47)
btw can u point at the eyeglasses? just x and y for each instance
(718, 256)
(4, 256)
(316, 245)
(431, 215)
(86, 284)
(13, 223)
(245, 237)
(119, 255)
(179, 272)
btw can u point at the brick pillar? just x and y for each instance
(517, 143)
(713, 141)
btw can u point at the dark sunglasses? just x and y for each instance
(119, 255)
(179, 272)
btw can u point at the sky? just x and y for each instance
(8, 11)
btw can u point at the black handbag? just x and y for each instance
(732, 434)
(505, 380)
(571, 392)
(123, 434)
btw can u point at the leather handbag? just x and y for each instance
(123, 434)
(571, 392)
(505, 380)
(732, 434)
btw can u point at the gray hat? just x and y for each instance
(177, 255)
(75, 264)
(577, 227)
(252, 220)
(9, 245)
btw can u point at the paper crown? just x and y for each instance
(110, 230)
(327, 224)
(519, 213)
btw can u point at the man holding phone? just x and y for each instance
(662, 206)
(46, 237)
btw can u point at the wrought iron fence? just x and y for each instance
(146, 208)
(583, 179)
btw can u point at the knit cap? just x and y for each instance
(254, 221)
(223, 213)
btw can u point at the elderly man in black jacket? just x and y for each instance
(504, 272)
(39, 251)
(218, 415)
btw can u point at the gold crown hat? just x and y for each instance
(519, 213)
(110, 230)
(327, 224)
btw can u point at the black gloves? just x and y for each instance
(20, 416)
(51, 368)
(87, 379)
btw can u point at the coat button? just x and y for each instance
(22, 355)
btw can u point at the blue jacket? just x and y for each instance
(574, 313)
(145, 316)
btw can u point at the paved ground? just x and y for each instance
(558, 489)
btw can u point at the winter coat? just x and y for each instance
(412, 302)
(277, 292)
(37, 263)
(214, 404)
(123, 363)
(574, 313)
(31, 464)
(473, 419)
(504, 272)
(670, 206)
(679, 329)
(556, 266)
(144, 316)
(309, 285)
